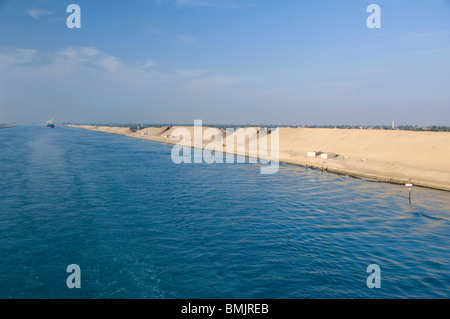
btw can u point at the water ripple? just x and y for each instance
(140, 226)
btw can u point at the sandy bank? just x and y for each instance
(422, 158)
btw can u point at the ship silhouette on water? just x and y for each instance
(50, 123)
(3, 125)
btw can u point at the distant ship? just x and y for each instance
(50, 123)
(2, 125)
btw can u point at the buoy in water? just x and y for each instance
(409, 185)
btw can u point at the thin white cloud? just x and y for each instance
(97, 85)
(89, 59)
(430, 35)
(77, 55)
(185, 38)
(11, 56)
(37, 13)
(148, 64)
(108, 63)
(86, 57)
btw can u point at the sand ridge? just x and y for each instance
(422, 158)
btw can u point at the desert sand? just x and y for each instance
(394, 156)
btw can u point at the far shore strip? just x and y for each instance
(400, 157)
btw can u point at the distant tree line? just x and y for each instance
(433, 128)
(420, 128)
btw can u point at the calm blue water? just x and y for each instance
(140, 226)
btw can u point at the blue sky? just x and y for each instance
(226, 61)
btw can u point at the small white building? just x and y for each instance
(314, 153)
(328, 155)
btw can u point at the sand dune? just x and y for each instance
(422, 158)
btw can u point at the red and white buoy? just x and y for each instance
(409, 185)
